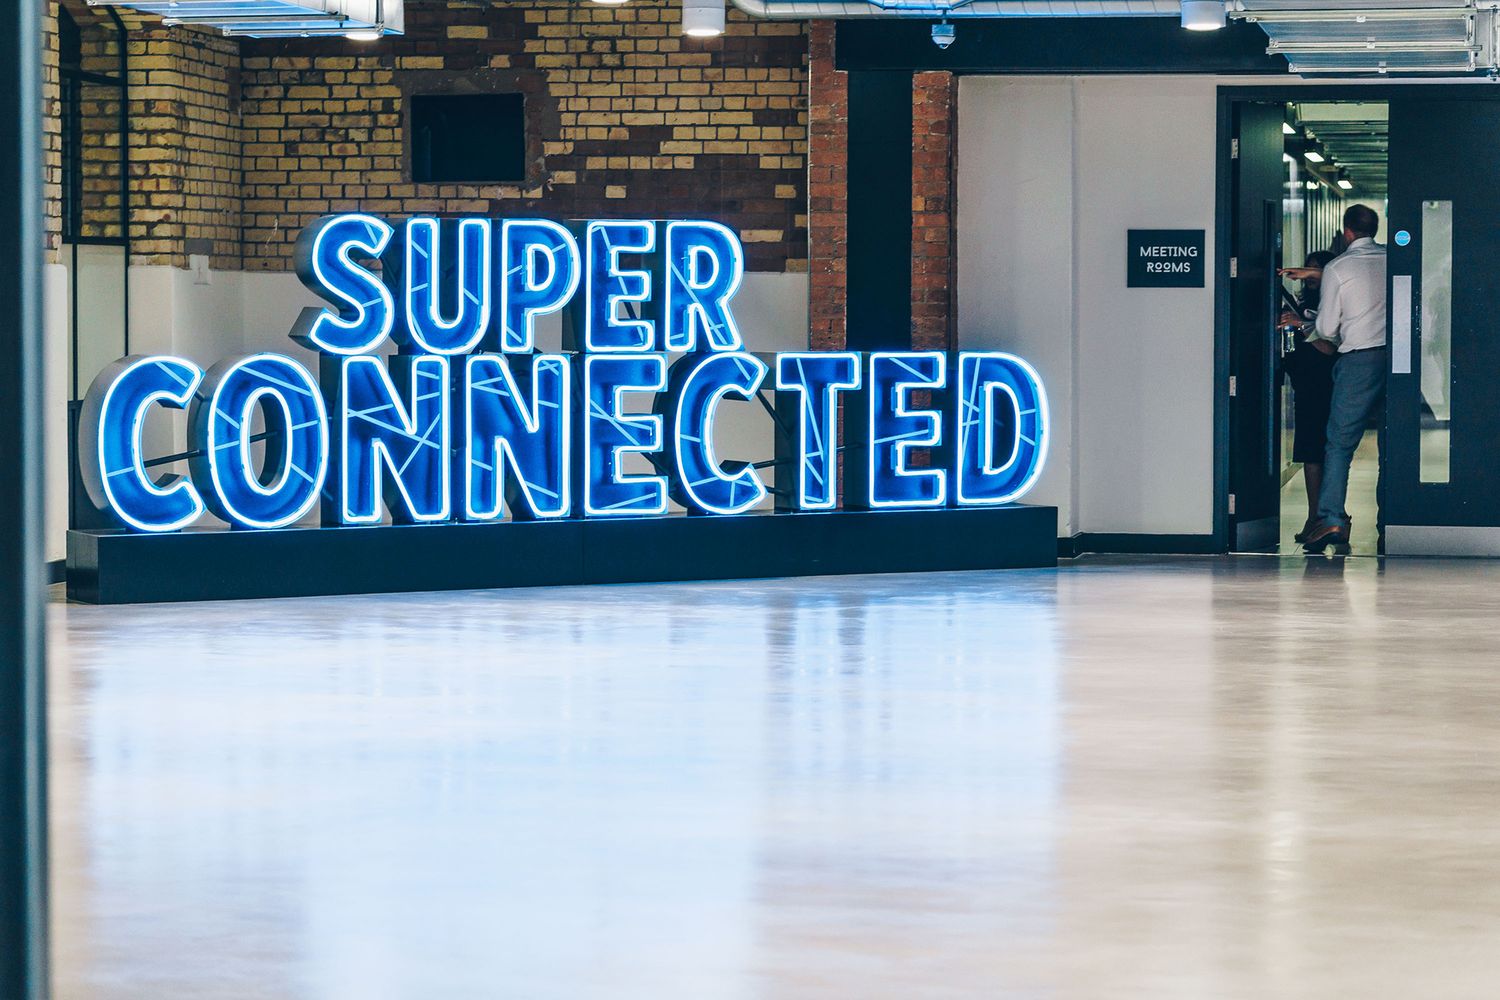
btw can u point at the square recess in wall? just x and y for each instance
(468, 138)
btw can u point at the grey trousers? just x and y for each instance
(1358, 394)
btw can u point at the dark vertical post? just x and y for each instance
(879, 193)
(23, 870)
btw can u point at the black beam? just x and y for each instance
(113, 567)
(1055, 45)
(23, 871)
(878, 292)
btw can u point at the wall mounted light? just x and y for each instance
(610, 3)
(1203, 15)
(703, 18)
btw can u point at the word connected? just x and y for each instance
(468, 421)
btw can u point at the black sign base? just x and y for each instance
(115, 567)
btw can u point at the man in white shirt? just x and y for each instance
(1351, 322)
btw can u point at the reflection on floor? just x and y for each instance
(1363, 475)
(1195, 778)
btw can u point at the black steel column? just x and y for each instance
(23, 868)
(879, 260)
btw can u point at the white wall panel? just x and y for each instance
(1145, 160)
(55, 405)
(1015, 246)
(1052, 173)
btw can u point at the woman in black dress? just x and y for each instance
(1311, 373)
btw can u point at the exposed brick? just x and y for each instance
(244, 143)
(933, 278)
(827, 213)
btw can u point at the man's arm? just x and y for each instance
(1300, 273)
(1325, 334)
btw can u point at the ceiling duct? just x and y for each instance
(792, 9)
(277, 18)
(1377, 36)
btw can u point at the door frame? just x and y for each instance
(23, 744)
(1479, 90)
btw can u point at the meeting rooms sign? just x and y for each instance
(1164, 258)
(468, 421)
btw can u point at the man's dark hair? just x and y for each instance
(1361, 220)
(1320, 258)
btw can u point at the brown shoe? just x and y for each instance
(1325, 535)
(1311, 525)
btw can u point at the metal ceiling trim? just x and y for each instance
(1362, 15)
(208, 21)
(1392, 45)
(275, 18)
(817, 9)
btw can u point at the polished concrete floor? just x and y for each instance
(1241, 777)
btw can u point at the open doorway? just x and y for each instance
(1297, 166)
(1336, 154)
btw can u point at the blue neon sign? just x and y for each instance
(222, 417)
(393, 431)
(702, 483)
(524, 425)
(432, 325)
(467, 422)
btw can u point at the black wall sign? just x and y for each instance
(1164, 258)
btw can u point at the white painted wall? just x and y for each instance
(1015, 240)
(55, 407)
(235, 313)
(1051, 174)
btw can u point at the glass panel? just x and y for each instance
(98, 277)
(1437, 353)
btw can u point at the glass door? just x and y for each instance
(1442, 481)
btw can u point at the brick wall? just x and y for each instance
(97, 138)
(185, 183)
(235, 145)
(186, 177)
(827, 191)
(51, 135)
(625, 117)
(933, 263)
(933, 268)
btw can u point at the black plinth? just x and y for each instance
(113, 567)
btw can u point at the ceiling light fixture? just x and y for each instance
(363, 35)
(703, 18)
(1286, 129)
(1203, 15)
(1345, 184)
(1313, 156)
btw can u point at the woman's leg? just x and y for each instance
(1312, 478)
